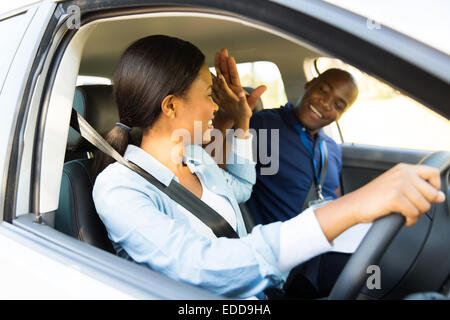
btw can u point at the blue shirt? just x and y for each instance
(280, 196)
(145, 225)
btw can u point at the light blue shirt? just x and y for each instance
(145, 225)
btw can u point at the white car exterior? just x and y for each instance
(32, 267)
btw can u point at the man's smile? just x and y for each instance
(315, 111)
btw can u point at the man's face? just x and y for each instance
(326, 99)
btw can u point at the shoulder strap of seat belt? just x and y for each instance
(174, 190)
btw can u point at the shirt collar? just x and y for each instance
(195, 157)
(149, 164)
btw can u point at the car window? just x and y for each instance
(382, 116)
(11, 31)
(254, 74)
(91, 80)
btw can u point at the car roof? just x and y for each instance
(8, 8)
(394, 32)
(425, 21)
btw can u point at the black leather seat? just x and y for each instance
(249, 219)
(76, 214)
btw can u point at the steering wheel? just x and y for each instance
(379, 237)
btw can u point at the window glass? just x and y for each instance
(89, 80)
(383, 116)
(11, 32)
(254, 74)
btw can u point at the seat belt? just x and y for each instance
(312, 193)
(178, 193)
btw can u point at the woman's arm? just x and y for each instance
(154, 231)
(240, 174)
(406, 189)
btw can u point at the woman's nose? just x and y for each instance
(215, 106)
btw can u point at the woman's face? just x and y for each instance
(195, 111)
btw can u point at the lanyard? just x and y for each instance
(317, 172)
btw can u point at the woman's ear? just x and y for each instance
(168, 106)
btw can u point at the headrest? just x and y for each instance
(79, 104)
(96, 104)
(259, 104)
(101, 111)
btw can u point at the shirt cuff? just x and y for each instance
(242, 148)
(301, 238)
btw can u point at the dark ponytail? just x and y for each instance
(118, 138)
(148, 71)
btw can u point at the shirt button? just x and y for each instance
(214, 188)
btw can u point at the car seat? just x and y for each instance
(76, 215)
(259, 104)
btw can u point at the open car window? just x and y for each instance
(383, 116)
(256, 73)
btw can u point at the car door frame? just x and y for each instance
(363, 163)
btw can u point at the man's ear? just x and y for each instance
(168, 106)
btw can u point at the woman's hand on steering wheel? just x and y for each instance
(407, 189)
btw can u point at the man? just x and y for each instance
(309, 162)
(310, 165)
(306, 155)
(303, 149)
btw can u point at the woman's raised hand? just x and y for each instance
(227, 89)
(233, 104)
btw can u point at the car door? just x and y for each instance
(377, 133)
(38, 262)
(31, 169)
(362, 163)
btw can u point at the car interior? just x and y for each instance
(96, 104)
(94, 51)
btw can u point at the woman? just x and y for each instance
(163, 86)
